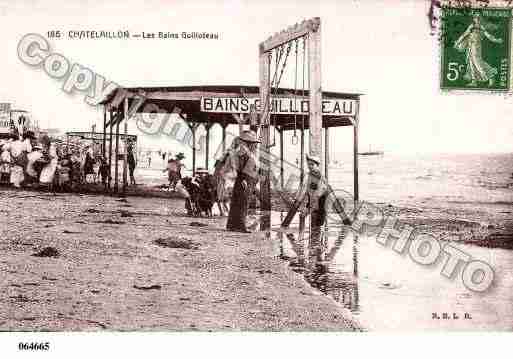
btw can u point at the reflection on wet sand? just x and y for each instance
(358, 272)
(339, 283)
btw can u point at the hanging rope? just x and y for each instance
(294, 137)
(265, 112)
(273, 123)
(280, 50)
(303, 116)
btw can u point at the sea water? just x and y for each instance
(388, 291)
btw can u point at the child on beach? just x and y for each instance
(104, 170)
(174, 171)
(5, 165)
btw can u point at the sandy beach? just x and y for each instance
(141, 264)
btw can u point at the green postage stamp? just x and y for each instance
(476, 49)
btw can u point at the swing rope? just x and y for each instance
(289, 45)
(265, 112)
(294, 137)
(303, 116)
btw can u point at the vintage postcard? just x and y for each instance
(225, 166)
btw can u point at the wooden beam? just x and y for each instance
(224, 138)
(265, 185)
(316, 250)
(315, 95)
(281, 160)
(110, 148)
(302, 156)
(104, 140)
(196, 95)
(207, 144)
(292, 33)
(116, 161)
(326, 151)
(113, 118)
(356, 193)
(192, 126)
(241, 123)
(125, 157)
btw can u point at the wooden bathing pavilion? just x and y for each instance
(228, 106)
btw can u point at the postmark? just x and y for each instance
(476, 49)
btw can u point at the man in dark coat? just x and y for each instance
(131, 163)
(247, 175)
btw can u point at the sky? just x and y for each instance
(382, 49)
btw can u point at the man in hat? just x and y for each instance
(245, 165)
(313, 195)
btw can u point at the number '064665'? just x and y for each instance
(34, 346)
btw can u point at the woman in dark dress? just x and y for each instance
(88, 165)
(247, 176)
(131, 164)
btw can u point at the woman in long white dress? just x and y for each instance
(5, 162)
(48, 172)
(478, 70)
(19, 150)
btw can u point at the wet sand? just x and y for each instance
(139, 264)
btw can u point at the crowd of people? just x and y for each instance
(28, 160)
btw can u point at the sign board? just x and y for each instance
(5, 118)
(279, 105)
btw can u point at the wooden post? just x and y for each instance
(302, 154)
(116, 152)
(193, 129)
(315, 95)
(326, 177)
(265, 186)
(224, 138)
(355, 153)
(281, 159)
(241, 121)
(125, 157)
(326, 151)
(207, 144)
(315, 129)
(302, 218)
(111, 123)
(104, 139)
(253, 119)
(93, 140)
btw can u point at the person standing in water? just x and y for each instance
(313, 195)
(245, 166)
